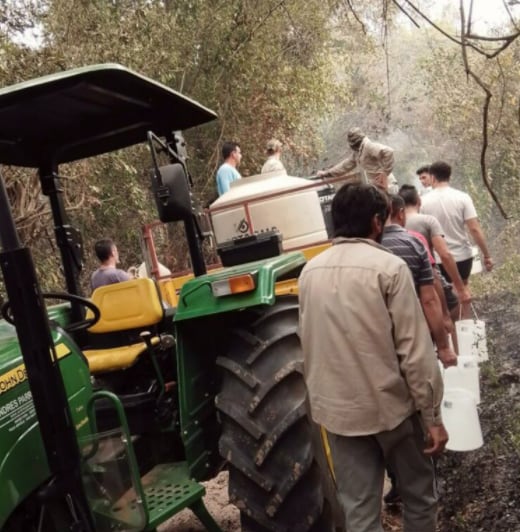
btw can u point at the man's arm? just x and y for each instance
(440, 246)
(123, 276)
(475, 231)
(431, 303)
(439, 290)
(416, 359)
(343, 168)
(386, 157)
(432, 309)
(414, 347)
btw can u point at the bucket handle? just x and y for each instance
(473, 310)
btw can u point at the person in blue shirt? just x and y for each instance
(227, 173)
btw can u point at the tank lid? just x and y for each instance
(258, 185)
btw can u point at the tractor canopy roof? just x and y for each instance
(88, 111)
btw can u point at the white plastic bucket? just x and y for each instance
(460, 417)
(477, 261)
(465, 340)
(465, 376)
(471, 337)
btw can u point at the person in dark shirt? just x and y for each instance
(413, 252)
(107, 273)
(409, 248)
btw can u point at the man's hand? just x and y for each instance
(321, 173)
(448, 324)
(464, 295)
(488, 263)
(436, 440)
(381, 181)
(447, 356)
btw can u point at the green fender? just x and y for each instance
(23, 463)
(196, 298)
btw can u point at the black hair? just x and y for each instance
(103, 249)
(441, 171)
(354, 207)
(228, 148)
(424, 169)
(410, 195)
(397, 203)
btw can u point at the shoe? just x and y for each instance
(392, 497)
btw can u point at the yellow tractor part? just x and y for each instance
(171, 288)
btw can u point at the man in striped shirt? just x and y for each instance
(413, 252)
(409, 248)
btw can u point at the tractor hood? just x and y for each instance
(86, 112)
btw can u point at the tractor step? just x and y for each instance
(168, 489)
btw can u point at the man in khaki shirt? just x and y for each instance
(373, 158)
(373, 379)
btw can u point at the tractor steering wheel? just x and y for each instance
(71, 327)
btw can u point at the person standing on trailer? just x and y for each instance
(227, 173)
(273, 163)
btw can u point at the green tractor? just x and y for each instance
(114, 408)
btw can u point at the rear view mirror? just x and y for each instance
(172, 193)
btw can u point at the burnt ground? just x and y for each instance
(480, 490)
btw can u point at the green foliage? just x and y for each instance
(504, 279)
(300, 70)
(262, 65)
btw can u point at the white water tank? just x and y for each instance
(272, 201)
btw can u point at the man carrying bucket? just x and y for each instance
(412, 251)
(373, 379)
(456, 213)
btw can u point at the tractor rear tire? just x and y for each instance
(274, 478)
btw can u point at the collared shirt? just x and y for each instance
(401, 243)
(372, 157)
(369, 361)
(273, 164)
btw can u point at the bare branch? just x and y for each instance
(476, 37)
(470, 17)
(511, 18)
(490, 55)
(502, 95)
(432, 24)
(258, 25)
(485, 114)
(387, 57)
(356, 16)
(403, 10)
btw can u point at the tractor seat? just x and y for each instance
(128, 306)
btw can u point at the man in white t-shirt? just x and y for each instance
(425, 178)
(455, 211)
